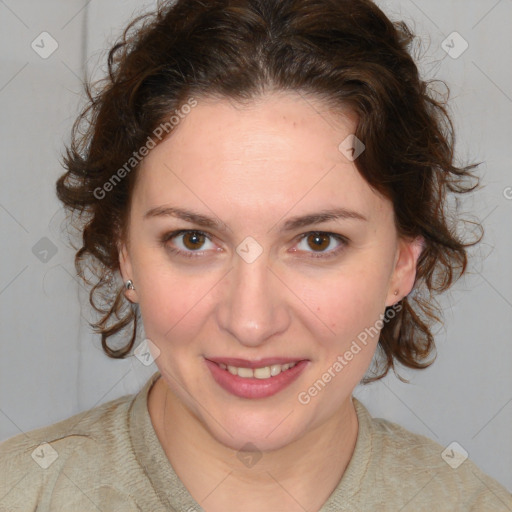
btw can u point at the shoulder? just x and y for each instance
(65, 455)
(423, 473)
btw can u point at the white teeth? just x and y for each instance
(262, 373)
(259, 373)
(275, 369)
(245, 372)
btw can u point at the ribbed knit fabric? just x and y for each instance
(109, 459)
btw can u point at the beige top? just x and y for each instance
(109, 459)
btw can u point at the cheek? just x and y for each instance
(344, 306)
(351, 309)
(173, 307)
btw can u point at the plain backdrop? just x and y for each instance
(51, 363)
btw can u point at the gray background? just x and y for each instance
(52, 365)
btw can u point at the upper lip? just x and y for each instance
(260, 363)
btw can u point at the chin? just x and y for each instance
(252, 438)
(267, 430)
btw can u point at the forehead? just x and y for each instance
(279, 150)
(276, 126)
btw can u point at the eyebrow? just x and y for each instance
(289, 225)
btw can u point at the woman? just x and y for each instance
(269, 179)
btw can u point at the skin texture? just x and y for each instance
(252, 168)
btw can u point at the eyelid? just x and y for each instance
(177, 232)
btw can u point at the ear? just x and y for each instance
(404, 273)
(125, 266)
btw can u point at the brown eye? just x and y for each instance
(320, 244)
(193, 240)
(318, 241)
(188, 243)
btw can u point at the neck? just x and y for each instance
(300, 476)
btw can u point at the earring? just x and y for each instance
(129, 285)
(396, 292)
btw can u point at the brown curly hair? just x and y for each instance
(345, 52)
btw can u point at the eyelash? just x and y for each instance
(191, 254)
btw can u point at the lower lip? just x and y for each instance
(252, 387)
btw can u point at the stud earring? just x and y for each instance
(396, 292)
(129, 285)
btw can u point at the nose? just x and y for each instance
(253, 308)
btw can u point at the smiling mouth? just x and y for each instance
(264, 372)
(255, 379)
(265, 368)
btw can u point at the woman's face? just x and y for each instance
(286, 255)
